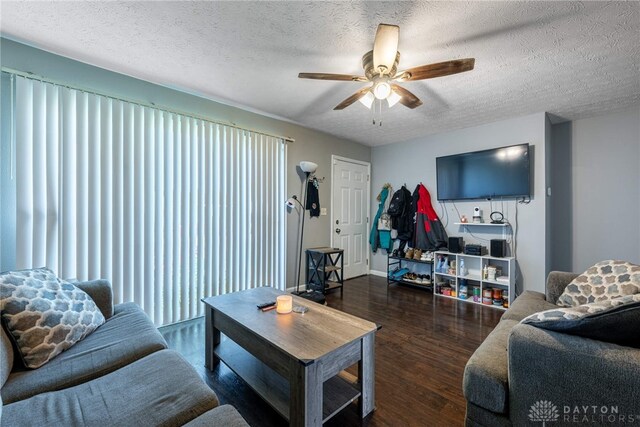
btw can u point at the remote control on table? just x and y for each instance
(266, 304)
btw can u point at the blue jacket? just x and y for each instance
(380, 238)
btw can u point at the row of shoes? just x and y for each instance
(418, 278)
(414, 254)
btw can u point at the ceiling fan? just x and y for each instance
(381, 69)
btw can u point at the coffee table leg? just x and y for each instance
(366, 375)
(212, 339)
(305, 383)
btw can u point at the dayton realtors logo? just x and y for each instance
(545, 411)
(597, 414)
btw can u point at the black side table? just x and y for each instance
(324, 269)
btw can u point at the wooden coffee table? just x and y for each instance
(293, 361)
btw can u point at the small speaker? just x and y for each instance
(456, 245)
(498, 248)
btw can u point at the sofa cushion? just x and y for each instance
(127, 336)
(6, 356)
(161, 389)
(602, 281)
(485, 382)
(44, 314)
(221, 416)
(616, 320)
(101, 293)
(527, 303)
(480, 417)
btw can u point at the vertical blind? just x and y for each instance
(169, 208)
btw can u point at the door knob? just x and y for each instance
(338, 230)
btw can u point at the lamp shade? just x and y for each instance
(308, 167)
(393, 99)
(367, 100)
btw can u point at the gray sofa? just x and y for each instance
(120, 375)
(520, 366)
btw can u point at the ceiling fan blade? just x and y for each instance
(353, 98)
(436, 70)
(385, 46)
(406, 98)
(326, 76)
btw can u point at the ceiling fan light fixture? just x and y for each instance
(380, 67)
(367, 100)
(382, 90)
(393, 99)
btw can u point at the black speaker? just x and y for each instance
(498, 248)
(456, 245)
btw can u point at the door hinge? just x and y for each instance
(367, 220)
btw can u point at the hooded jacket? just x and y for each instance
(380, 238)
(402, 214)
(430, 234)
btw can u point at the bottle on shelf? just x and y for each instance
(463, 289)
(462, 271)
(485, 272)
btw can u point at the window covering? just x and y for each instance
(169, 208)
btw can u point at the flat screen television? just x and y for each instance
(499, 172)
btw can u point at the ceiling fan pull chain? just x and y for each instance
(373, 113)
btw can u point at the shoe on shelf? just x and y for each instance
(417, 254)
(424, 256)
(409, 253)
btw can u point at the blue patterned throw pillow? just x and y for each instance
(45, 315)
(616, 320)
(603, 281)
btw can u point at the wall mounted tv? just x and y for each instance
(500, 172)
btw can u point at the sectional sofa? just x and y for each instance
(120, 375)
(524, 375)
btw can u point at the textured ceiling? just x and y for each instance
(571, 59)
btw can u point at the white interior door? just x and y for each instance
(349, 214)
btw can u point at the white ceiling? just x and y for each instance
(572, 59)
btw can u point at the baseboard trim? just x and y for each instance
(378, 273)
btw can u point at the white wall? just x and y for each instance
(309, 144)
(413, 161)
(599, 190)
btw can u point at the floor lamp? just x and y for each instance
(308, 168)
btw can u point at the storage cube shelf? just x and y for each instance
(474, 264)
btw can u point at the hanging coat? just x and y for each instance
(402, 214)
(430, 234)
(313, 198)
(414, 206)
(380, 238)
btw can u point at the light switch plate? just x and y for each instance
(323, 211)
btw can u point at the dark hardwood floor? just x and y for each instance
(421, 352)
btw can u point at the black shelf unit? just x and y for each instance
(394, 262)
(324, 269)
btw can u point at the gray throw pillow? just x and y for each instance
(603, 281)
(45, 315)
(616, 320)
